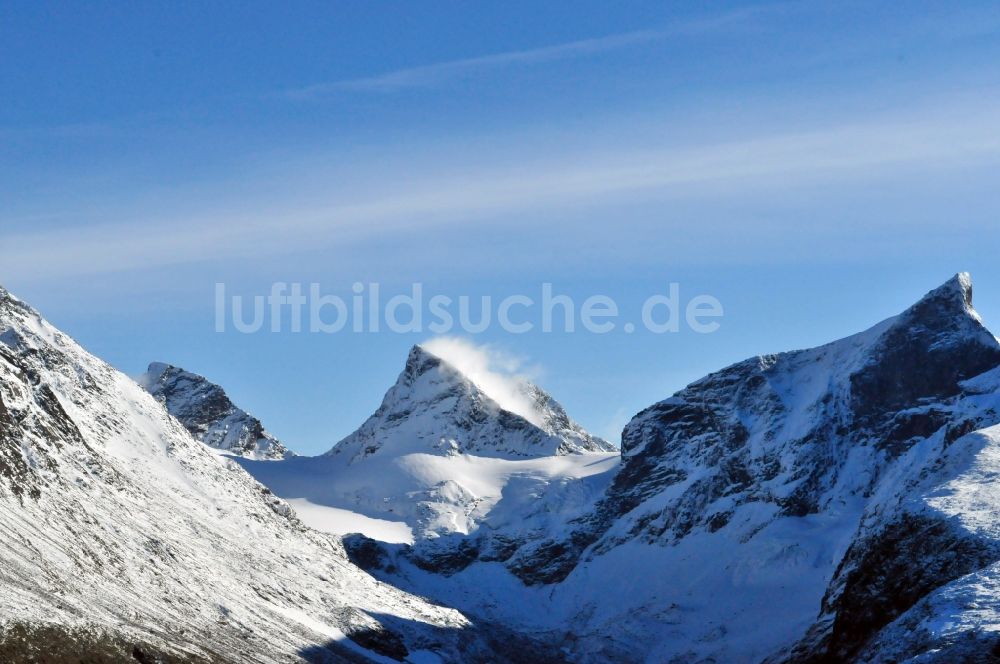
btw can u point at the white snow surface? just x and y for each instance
(344, 522)
(435, 495)
(493, 372)
(713, 559)
(444, 458)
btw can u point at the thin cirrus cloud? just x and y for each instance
(959, 137)
(441, 72)
(428, 75)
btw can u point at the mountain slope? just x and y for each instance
(123, 535)
(770, 450)
(208, 414)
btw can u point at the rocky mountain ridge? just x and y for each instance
(208, 414)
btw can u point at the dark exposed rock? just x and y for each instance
(956, 430)
(882, 576)
(894, 394)
(453, 413)
(380, 640)
(366, 553)
(167, 548)
(932, 347)
(499, 548)
(208, 413)
(549, 561)
(447, 561)
(6, 420)
(906, 426)
(54, 428)
(22, 643)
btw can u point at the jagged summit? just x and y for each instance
(836, 503)
(515, 396)
(433, 407)
(207, 412)
(924, 352)
(960, 284)
(10, 300)
(417, 358)
(832, 438)
(947, 307)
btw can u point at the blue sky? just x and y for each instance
(814, 166)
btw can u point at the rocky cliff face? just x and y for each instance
(208, 414)
(782, 429)
(870, 421)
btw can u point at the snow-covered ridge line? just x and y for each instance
(495, 373)
(836, 503)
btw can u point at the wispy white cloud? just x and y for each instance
(951, 138)
(428, 75)
(437, 73)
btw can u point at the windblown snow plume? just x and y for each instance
(502, 377)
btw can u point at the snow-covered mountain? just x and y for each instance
(438, 455)
(125, 539)
(827, 505)
(434, 407)
(836, 504)
(208, 414)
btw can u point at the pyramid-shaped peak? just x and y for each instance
(461, 364)
(420, 360)
(956, 293)
(945, 317)
(457, 401)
